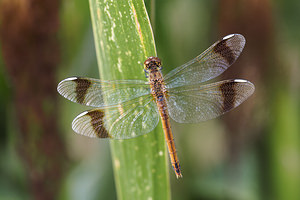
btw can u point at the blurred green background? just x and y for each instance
(251, 153)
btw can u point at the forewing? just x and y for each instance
(91, 92)
(210, 64)
(195, 103)
(128, 120)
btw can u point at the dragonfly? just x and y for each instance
(126, 109)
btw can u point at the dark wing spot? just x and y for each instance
(228, 90)
(222, 49)
(82, 86)
(98, 124)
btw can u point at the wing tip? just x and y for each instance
(236, 36)
(61, 83)
(71, 78)
(91, 123)
(77, 130)
(229, 36)
(249, 87)
(243, 81)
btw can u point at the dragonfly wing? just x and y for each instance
(195, 103)
(91, 92)
(128, 120)
(210, 64)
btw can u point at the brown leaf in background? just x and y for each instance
(31, 54)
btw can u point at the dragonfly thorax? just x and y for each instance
(152, 64)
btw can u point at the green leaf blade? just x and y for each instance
(124, 40)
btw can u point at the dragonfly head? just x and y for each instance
(152, 63)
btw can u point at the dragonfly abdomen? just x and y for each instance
(159, 93)
(164, 115)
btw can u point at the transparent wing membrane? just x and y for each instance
(126, 108)
(128, 120)
(210, 64)
(91, 92)
(195, 103)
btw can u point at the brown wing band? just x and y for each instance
(82, 86)
(222, 49)
(97, 123)
(229, 95)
